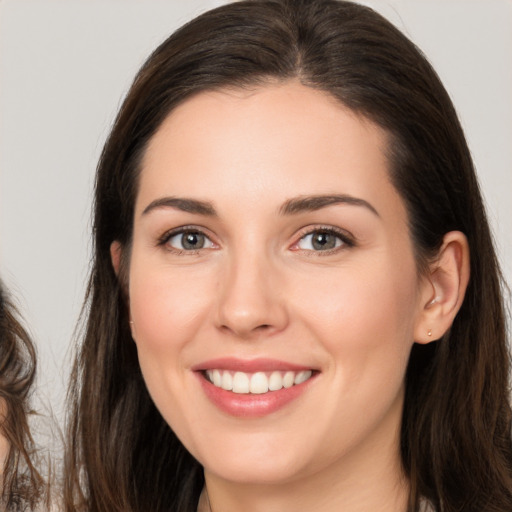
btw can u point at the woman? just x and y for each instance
(22, 485)
(295, 303)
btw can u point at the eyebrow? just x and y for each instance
(290, 207)
(317, 202)
(183, 204)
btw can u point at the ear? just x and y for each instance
(116, 251)
(115, 255)
(443, 289)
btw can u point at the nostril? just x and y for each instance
(248, 332)
(263, 327)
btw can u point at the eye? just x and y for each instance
(322, 240)
(188, 240)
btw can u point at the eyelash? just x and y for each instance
(164, 239)
(347, 241)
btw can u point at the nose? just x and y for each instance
(251, 299)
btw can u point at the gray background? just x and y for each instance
(64, 68)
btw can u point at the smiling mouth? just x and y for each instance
(256, 383)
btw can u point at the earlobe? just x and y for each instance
(444, 288)
(115, 255)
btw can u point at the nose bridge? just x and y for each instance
(249, 299)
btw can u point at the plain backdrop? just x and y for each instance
(65, 66)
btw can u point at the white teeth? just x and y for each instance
(256, 383)
(259, 383)
(240, 383)
(302, 377)
(217, 378)
(227, 381)
(275, 382)
(288, 379)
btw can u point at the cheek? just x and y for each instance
(365, 324)
(167, 311)
(365, 318)
(165, 306)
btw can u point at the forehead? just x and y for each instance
(273, 140)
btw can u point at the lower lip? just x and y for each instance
(252, 405)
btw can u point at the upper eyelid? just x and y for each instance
(162, 239)
(345, 235)
(308, 230)
(348, 241)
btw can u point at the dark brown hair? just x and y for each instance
(456, 431)
(22, 485)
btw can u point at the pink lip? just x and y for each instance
(250, 405)
(249, 366)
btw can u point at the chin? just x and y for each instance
(257, 465)
(251, 472)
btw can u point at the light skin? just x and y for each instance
(306, 259)
(4, 443)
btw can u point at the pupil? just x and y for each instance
(323, 241)
(193, 241)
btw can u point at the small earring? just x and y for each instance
(429, 333)
(131, 322)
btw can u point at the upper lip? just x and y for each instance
(249, 365)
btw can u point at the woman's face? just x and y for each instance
(272, 285)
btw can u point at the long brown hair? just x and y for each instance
(22, 484)
(456, 431)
